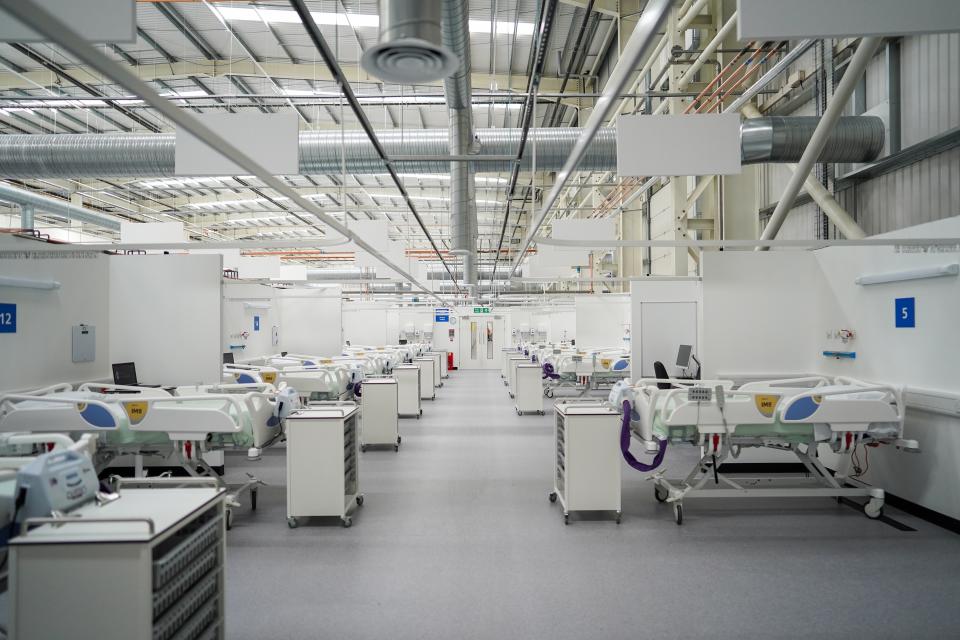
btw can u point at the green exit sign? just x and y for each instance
(481, 309)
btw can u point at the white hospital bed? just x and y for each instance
(798, 415)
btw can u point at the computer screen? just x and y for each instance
(683, 355)
(125, 373)
(228, 358)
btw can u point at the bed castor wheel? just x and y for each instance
(347, 522)
(541, 412)
(659, 494)
(229, 516)
(360, 500)
(873, 510)
(553, 496)
(566, 518)
(292, 522)
(363, 448)
(619, 516)
(399, 439)
(678, 513)
(396, 447)
(253, 499)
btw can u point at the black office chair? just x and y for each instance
(661, 372)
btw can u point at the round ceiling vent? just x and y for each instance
(409, 61)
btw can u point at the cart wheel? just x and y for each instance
(360, 500)
(399, 439)
(518, 411)
(659, 494)
(347, 521)
(418, 416)
(229, 515)
(253, 499)
(553, 496)
(873, 509)
(292, 522)
(678, 513)
(396, 447)
(541, 412)
(619, 516)
(566, 518)
(421, 411)
(363, 448)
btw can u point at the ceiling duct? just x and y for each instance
(457, 91)
(151, 155)
(338, 275)
(410, 48)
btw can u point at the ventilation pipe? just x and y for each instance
(780, 139)
(336, 275)
(37, 202)
(132, 155)
(410, 49)
(457, 90)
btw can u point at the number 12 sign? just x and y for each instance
(8, 318)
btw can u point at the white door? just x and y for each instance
(664, 326)
(481, 341)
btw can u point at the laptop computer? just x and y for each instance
(228, 358)
(125, 373)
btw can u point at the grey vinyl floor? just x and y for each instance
(457, 539)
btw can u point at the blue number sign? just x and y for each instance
(906, 312)
(256, 323)
(8, 318)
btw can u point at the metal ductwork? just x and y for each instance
(437, 272)
(132, 155)
(458, 94)
(410, 46)
(37, 202)
(336, 275)
(783, 139)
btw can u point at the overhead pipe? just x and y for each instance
(53, 28)
(358, 273)
(821, 135)
(37, 202)
(824, 199)
(643, 34)
(457, 91)
(152, 155)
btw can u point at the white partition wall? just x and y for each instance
(251, 320)
(38, 352)
(365, 324)
(775, 313)
(165, 317)
(664, 315)
(310, 320)
(602, 320)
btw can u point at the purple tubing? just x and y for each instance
(548, 372)
(357, 391)
(625, 445)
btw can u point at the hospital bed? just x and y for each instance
(799, 415)
(143, 421)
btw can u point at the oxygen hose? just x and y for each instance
(625, 445)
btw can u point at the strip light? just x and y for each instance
(920, 273)
(28, 283)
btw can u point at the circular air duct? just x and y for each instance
(410, 47)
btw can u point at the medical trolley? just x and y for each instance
(323, 475)
(146, 565)
(528, 396)
(408, 390)
(378, 413)
(587, 470)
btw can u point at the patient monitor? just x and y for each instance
(684, 356)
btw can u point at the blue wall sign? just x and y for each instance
(441, 315)
(256, 323)
(8, 318)
(906, 316)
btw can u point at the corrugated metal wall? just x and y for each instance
(921, 192)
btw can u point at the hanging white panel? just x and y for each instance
(272, 138)
(784, 19)
(678, 145)
(94, 20)
(152, 232)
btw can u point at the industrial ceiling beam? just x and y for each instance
(337, 73)
(50, 26)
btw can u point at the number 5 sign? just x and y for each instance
(905, 312)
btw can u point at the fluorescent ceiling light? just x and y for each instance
(355, 20)
(222, 204)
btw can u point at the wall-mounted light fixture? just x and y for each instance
(256, 305)
(28, 283)
(919, 273)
